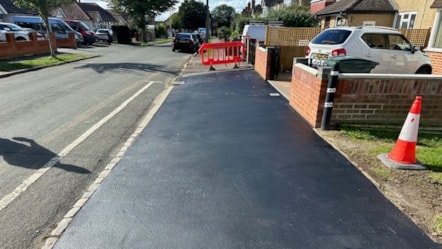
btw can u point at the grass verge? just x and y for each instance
(428, 149)
(39, 61)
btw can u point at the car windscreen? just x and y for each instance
(332, 36)
(14, 27)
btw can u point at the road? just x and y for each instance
(60, 126)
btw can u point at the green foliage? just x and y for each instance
(160, 31)
(224, 32)
(134, 8)
(293, 16)
(223, 14)
(234, 35)
(176, 21)
(43, 8)
(192, 14)
(138, 10)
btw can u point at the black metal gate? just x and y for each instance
(275, 63)
(251, 51)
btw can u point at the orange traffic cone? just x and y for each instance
(403, 154)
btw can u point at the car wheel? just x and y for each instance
(424, 70)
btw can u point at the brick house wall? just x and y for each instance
(380, 19)
(365, 98)
(436, 61)
(316, 6)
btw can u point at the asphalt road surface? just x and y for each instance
(225, 163)
(61, 125)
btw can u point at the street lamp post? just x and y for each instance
(208, 30)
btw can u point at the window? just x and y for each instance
(398, 42)
(405, 20)
(334, 36)
(369, 23)
(327, 22)
(376, 41)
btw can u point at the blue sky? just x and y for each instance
(238, 5)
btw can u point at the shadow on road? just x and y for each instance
(26, 153)
(129, 68)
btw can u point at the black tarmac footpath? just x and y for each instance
(226, 164)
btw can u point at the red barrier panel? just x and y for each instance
(221, 53)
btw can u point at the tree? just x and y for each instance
(140, 10)
(192, 14)
(175, 21)
(223, 14)
(293, 16)
(43, 8)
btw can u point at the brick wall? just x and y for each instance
(307, 93)
(436, 61)
(387, 100)
(12, 48)
(262, 62)
(366, 98)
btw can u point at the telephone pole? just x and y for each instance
(208, 28)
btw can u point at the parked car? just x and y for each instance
(83, 29)
(19, 33)
(60, 28)
(384, 45)
(104, 35)
(185, 42)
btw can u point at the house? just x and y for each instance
(90, 13)
(357, 13)
(8, 10)
(268, 5)
(408, 15)
(414, 14)
(317, 5)
(252, 9)
(434, 49)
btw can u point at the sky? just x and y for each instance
(238, 5)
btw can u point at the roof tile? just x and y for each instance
(351, 6)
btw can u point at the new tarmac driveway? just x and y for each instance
(226, 163)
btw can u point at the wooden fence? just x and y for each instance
(284, 36)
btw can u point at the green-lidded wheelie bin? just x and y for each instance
(349, 64)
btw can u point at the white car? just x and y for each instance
(384, 45)
(19, 33)
(104, 35)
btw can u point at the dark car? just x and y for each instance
(79, 26)
(185, 42)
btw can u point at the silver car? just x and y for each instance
(19, 33)
(384, 45)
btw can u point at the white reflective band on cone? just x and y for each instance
(410, 128)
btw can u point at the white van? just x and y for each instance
(254, 31)
(58, 26)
